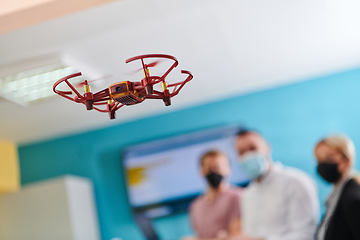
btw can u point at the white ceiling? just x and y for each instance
(231, 46)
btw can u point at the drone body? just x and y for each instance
(126, 92)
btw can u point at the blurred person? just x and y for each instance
(336, 157)
(216, 214)
(281, 203)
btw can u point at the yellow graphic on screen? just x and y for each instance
(137, 175)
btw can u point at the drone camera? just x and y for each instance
(123, 92)
(119, 88)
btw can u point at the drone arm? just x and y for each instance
(117, 106)
(113, 107)
(102, 93)
(100, 110)
(156, 95)
(101, 97)
(101, 102)
(157, 92)
(160, 95)
(103, 110)
(188, 79)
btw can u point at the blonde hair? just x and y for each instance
(345, 146)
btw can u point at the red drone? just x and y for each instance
(126, 92)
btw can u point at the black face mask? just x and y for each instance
(329, 172)
(214, 179)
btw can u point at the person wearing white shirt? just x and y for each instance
(281, 203)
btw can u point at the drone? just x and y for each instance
(127, 93)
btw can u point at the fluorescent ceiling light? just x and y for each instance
(34, 85)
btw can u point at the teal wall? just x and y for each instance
(292, 118)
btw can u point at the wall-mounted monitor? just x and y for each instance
(163, 176)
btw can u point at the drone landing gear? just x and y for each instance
(112, 115)
(167, 96)
(149, 89)
(89, 104)
(167, 101)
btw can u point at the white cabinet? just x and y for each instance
(58, 209)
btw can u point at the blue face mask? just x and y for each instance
(255, 164)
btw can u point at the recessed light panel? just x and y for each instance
(34, 85)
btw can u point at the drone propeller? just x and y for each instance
(81, 84)
(153, 64)
(150, 65)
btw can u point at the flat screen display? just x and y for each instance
(168, 170)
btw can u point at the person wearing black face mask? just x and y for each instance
(336, 156)
(216, 213)
(214, 179)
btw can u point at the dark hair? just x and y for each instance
(245, 131)
(211, 153)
